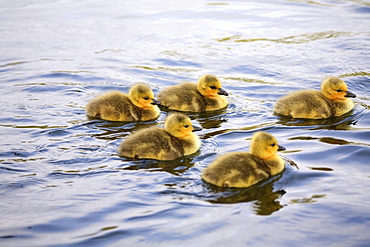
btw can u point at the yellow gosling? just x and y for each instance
(206, 95)
(242, 169)
(138, 105)
(332, 101)
(175, 140)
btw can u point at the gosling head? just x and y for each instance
(142, 96)
(180, 125)
(336, 89)
(210, 86)
(264, 145)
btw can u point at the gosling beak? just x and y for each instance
(155, 102)
(196, 128)
(350, 95)
(222, 92)
(281, 148)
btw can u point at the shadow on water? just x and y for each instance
(334, 123)
(175, 167)
(328, 140)
(263, 195)
(109, 130)
(207, 120)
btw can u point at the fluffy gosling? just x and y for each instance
(206, 95)
(243, 169)
(138, 105)
(175, 140)
(332, 101)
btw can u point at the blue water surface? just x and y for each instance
(62, 182)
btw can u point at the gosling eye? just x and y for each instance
(273, 145)
(213, 87)
(186, 126)
(339, 90)
(146, 98)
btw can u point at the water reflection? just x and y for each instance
(116, 130)
(263, 195)
(298, 39)
(324, 169)
(208, 120)
(344, 122)
(311, 199)
(175, 167)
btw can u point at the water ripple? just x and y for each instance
(297, 39)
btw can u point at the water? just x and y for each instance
(62, 182)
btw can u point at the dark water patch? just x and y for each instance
(104, 124)
(89, 149)
(328, 140)
(56, 132)
(108, 130)
(362, 10)
(326, 169)
(207, 120)
(344, 122)
(16, 153)
(10, 169)
(74, 91)
(175, 167)
(264, 197)
(12, 239)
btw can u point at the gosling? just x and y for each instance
(206, 95)
(242, 169)
(175, 140)
(332, 101)
(138, 105)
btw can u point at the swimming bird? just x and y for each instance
(138, 105)
(175, 140)
(206, 95)
(333, 100)
(243, 169)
